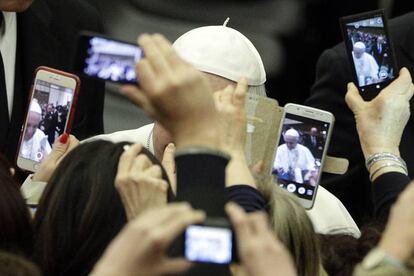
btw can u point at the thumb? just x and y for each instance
(59, 148)
(352, 98)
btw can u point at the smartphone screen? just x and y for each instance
(369, 48)
(299, 154)
(107, 59)
(48, 116)
(208, 244)
(46, 120)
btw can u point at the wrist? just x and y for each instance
(398, 251)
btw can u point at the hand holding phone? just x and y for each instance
(210, 242)
(370, 51)
(51, 111)
(300, 154)
(107, 59)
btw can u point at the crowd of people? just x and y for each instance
(119, 204)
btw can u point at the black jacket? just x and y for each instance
(328, 93)
(46, 35)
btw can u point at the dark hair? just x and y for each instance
(80, 211)
(16, 265)
(341, 252)
(16, 232)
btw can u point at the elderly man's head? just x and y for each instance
(225, 56)
(359, 49)
(291, 138)
(33, 120)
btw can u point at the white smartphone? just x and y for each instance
(299, 156)
(50, 113)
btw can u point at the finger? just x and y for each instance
(239, 221)
(353, 99)
(127, 158)
(175, 224)
(137, 97)
(59, 149)
(153, 171)
(168, 161)
(400, 85)
(173, 266)
(169, 52)
(239, 96)
(154, 54)
(140, 164)
(258, 222)
(227, 94)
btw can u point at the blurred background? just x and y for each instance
(289, 35)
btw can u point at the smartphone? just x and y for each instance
(106, 59)
(51, 111)
(304, 136)
(211, 242)
(370, 51)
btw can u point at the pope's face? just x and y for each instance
(358, 52)
(15, 5)
(32, 124)
(291, 141)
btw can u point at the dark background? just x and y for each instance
(289, 35)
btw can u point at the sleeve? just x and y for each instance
(328, 93)
(386, 189)
(246, 196)
(201, 179)
(382, 270)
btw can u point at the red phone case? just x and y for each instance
(72, 108)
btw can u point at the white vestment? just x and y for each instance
(366, 67)
(37, 147)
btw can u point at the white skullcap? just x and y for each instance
(222, 51)
(359, 45)
(35, 107)
(292, 133)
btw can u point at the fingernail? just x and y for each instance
(126, 147)
(64, 138)
(349, 85)
(171, 146)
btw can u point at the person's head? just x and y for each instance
(359, 49)
(15, 5)
(33, 120)
(313, 131)
(225, 56)
(16, 233)
(291, 138)
(80, 211)
(380, 40)
(294, 229)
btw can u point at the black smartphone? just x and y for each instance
(370, 51)
(107, 59)
(211, 242)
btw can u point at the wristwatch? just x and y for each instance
(377, 257)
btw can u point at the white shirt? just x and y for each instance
(8, 45)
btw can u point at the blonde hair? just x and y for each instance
(293, 228)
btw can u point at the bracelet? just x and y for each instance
(383, 156)
(371, 176)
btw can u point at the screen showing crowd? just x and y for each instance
(371, 53)
(299, 154)
(46, 119)
(112, 60)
